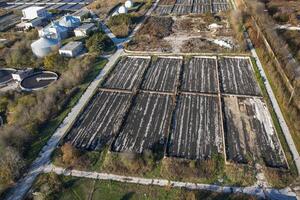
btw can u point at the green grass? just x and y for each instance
(49, 128)
(73, 188)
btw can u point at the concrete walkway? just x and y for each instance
(44, 157)
(252, 190)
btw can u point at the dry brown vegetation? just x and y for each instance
(103, 7)
(27, 114)
(281, 74)
(277, 178)
(198, 44)
(192, 170)
(129, 163)
(151, 35)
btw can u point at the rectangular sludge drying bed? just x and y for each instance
(196, 131)
(249, 132)
(147, 124)
(99, 121)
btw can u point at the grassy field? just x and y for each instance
(80, 188)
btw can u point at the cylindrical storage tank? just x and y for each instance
(122, 10)
(44, 46)
(128, 4)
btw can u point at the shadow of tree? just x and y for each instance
(127, 196)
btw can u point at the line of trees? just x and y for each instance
(26, 114)
(288, 66)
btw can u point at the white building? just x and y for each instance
(122, 10)
(34, 12)
(84, 30)
(55, 30)
(128, 4)
(72, 49)
(21, 74)
(69, 22)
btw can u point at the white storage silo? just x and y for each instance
(122, 10)
(44, 46)
(128, 4)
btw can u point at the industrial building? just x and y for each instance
(55, 30)
(34, 12)
(70, 22)
(72, 49)
(84, 30)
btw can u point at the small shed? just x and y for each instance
(72, 49)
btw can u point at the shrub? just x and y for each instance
(55, 62)
(20, 55)
(10, 165)
(99, 43)
(120, 25)
(157, 27)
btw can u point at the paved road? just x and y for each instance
(252, 190)
(44, 157)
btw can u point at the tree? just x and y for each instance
(20, 55)
(48, 187)
(98, 43)
(55, 62)
(120, 24)
(11, 164)
(70, 154)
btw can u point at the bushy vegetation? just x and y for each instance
(151, 34)
(99, 42)
(157, 27)
(20, 56)
(56, 62)
(193, 170)
(28, 114)
(130, 163)
(283, 74)
(121, 25)
(47, 187)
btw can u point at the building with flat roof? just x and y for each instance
(84, 30)
(34, 12)
(72, 49)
